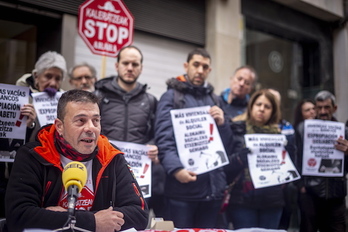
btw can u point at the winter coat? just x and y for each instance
(236, 107)
(36, 183)
(322, 187)
(208, 186)
(244, 193)
(126, 116)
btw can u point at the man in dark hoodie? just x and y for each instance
(128, 114)
(193, 200)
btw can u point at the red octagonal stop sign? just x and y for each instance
(106, 26)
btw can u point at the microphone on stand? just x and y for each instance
(74, 177)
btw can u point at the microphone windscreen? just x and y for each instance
(74, 173)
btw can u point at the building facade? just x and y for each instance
(297, 47)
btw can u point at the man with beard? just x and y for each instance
(193, 200)
(322, 198)
(83, 76)
(128, 114)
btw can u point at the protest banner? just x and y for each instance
(198, 140)
(269, 162)
(136, 156)
(46, 107)
(13, 125)
(320, 158)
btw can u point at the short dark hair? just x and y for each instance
(74, 95)
(324, 95)
(198, 51)
(276, 114)
(298, 117)
(130, 46)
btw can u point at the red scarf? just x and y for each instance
(65, 149)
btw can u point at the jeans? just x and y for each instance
(194, 214)
(244, 217)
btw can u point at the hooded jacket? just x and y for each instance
(36, 183)
(208, 186)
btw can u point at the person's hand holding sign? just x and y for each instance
(342, 145)
(185, 176)
(218, 115)
(29, 111)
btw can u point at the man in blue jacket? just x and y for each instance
(193, 200)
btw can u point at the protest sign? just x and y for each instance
(136, 156)
(13, 125)
(269, 162)
(46, 107)
(198, 140)
(320, 158)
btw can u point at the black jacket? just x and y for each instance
(36, 183)
(126, 116)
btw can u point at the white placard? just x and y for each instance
(198, 140)
(13, 125)
(269, 162)
(136, 156)
(46, 107)
(320, 158)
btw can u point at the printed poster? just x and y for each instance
(198, 140)
(46, 107)
(269, 163)
(13, 125)
(320, 158)
(136, 156)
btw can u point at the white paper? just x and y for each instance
(46, 107)
(198, 140)
(269, 162)
(320, 158)
(136, 156)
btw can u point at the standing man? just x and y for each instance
(35, 198)
(194, 200)
(322, 199)
(83, 76)
(234, 100)
(128, 113)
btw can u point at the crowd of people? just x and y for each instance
(120, 108)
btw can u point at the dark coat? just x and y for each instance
(208, 186)
(242, 194)
(36, 183)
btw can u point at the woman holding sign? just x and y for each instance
(250, 206)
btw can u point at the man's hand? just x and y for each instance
(108, 220)
(218, 115)
(342, 145)
(153, 153)
(29, 111)
(184, 176)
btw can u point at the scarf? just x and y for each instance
(65, 149)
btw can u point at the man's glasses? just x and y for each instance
(81, 77)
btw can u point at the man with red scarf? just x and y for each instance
(111, 199)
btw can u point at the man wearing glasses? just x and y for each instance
(83, 76)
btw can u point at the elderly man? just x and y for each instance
(234, 100)
(322, 199)
(83, 76)
(111, 199)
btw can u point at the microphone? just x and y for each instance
(74, 177)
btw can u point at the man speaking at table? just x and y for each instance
(36, 198)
